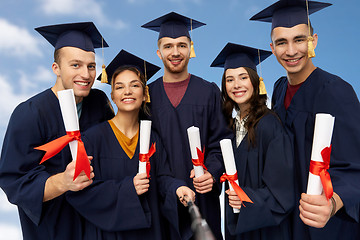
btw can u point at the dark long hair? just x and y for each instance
(144, 110)
(257, 108)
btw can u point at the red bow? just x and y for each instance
(320, 169)
(54, 147)
(200, 160)
(241, 194)
(146, 158)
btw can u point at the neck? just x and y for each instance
(244, 110)
(300, 77)
(175, 77)
(127, 122)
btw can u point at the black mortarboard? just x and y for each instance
(235, 56)
(124, 58)
(83, 35)
(173, 25)
(289, 13)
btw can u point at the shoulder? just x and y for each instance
(97, 94)
(97, 130)
(269, 124)
(203, 86)
(155, 82)
(333, 87)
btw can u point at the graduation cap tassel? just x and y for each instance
(262, 89)
(192, 51)
(146, 87)
(311, 49)
(104, 77)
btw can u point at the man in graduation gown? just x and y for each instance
(297, 98)
(36, 189)
(180, 100)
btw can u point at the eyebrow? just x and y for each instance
(132, 81)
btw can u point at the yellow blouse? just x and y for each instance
(127, 144)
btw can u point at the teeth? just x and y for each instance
(128, 100)
(293, 60)
(82, 83)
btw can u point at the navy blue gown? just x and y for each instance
(200, 107)
(265, 173)
(323, 92)
(33, 123)
(110, 205)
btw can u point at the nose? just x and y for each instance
(237, 83)
(127, 90)
(85, 74)
(291, 50)
(175, 51)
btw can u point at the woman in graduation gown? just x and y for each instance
(262, 150)
(120, 203)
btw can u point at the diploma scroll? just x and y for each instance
(229, 162)
(194, 142)
(324, 124)
(70, 116)
(145, 130)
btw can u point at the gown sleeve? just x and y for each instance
(22, 178)
(339, 99)
(217, 131)
(274, 198)
(111, 204)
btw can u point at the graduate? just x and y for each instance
(262, 150)
(297, 98)
(180, 100)
(37, 190)
(121, 203)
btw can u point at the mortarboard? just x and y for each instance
(174, 25)
(289, 13)
(125, 58)
(235, 56)
(83, 35)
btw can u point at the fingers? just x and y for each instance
(315, 210)
(192, 173)
(204, 183)
(141, 183)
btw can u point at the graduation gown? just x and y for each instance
(323, 92)
(110, 205)
(265, 173)
(200, 107)
(35, 122)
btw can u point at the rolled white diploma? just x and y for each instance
(324, 125)
(145, 130)
(70, 116)
(194, 142)
(229, 162)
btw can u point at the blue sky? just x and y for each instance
(26, 58)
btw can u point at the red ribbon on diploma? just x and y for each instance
(54, 147)
(146, 158)
(241, 194)
(320, 169)
(200, 160)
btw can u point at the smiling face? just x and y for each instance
(239, 87)
(75, 69)
(175, 53)
(128, 92)
(290, 47)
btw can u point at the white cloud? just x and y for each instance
(44, 74)
(10, 232)
(17, 41)
(9, 100)
(81, 8)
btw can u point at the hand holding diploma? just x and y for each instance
(195, 149)
(231, 175)
(72, 137)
